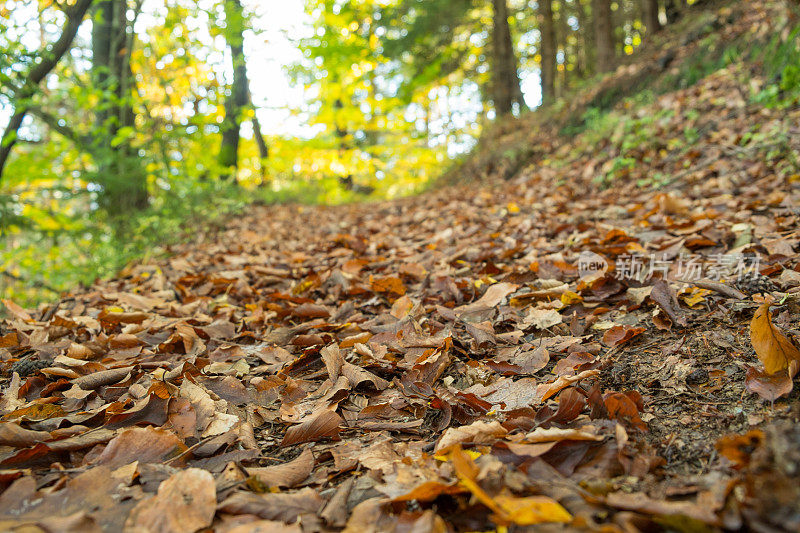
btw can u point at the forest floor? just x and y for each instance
(454, 361)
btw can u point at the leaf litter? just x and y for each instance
(437, 363)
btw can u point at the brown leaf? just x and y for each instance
(768, 386)
(288, 474)
(324, 425)
(284, 507)
(335, 512)
(739, 448)
(146, 445)
(772, 347)
(620, 334)
(17, 311)
(388, 285)
(621, 407)
(491, 298)
(13, 435)
(643, 504)
(479, 432)
(186, 501)
(310, 311)
(357, 376)
(104, 377)
(333, 360)
(667, 300)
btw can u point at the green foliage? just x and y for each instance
(781, 59)
(78, 250)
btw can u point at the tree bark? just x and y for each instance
(673, 10)
(650, 14)
(604, 35)
(37, 73)
(238, 99)
(547, 50)
(505, 85)
(119, 170)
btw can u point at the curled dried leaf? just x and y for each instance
(773, 348)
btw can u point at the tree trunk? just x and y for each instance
(237, 100)
(650, 14)
(589, 35)
(562, 40)
(547, 50)
(604, 35)
(673, 10)
(37, 73)
(119, 170)
(505, 84)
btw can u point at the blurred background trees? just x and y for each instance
(125, 120)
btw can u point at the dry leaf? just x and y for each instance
(184, 502)
(324, 425)
(772, 347)
(768, 386)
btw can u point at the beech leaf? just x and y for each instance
(774, 349)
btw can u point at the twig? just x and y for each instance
(34, 283)
(725, 290)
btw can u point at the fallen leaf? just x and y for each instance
(773, 348)
(768, 386)
(286, 475)
(479, 432)
(620, 335)
(323, 425)
(146, 445)
(532, 510)
(186, 501)
(286, 508)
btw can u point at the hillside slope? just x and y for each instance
(564, 346)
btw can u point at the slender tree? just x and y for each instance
(547, 50)
(505, 83)
(119, 169)
(650, 15)
(604, 35)
(237, 100)
(47, 62)
(673, 10)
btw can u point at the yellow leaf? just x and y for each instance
(696, 296)
(507, 509)
(467, 471)
(512, 208)
(533, 510)
(773, 348)
(569, 298)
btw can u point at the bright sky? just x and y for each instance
(269, 50)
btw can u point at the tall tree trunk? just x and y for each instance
(650, 15)
(589, 35)
(673, 10)
(119, 170)
(604, 35)
(236, 102)
(562, 38)
(581, 36)
(505, 84)
(547, 50)
(37, 73)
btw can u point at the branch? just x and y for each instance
(37, 284)
(37, 73)
(52, 122)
